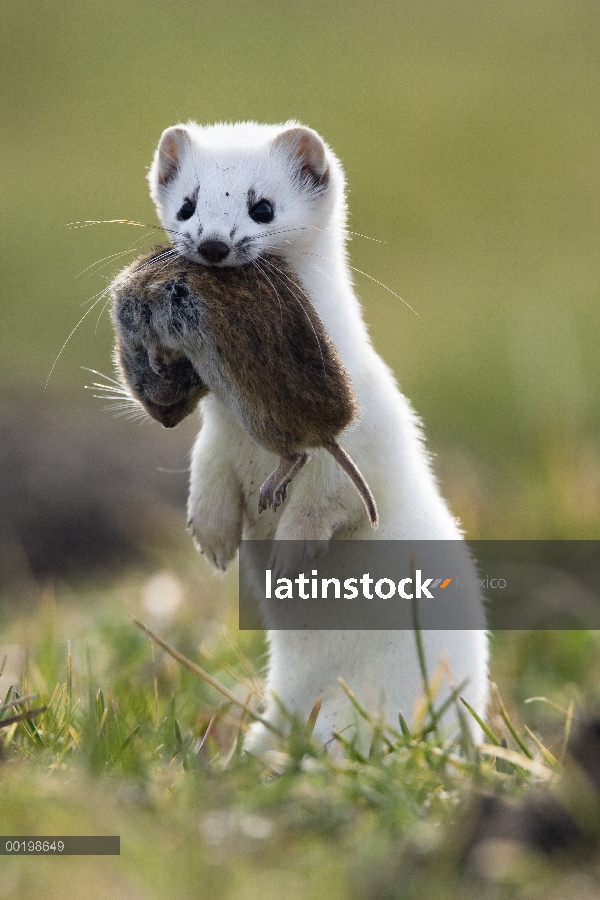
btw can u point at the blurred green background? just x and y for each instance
(469, 133)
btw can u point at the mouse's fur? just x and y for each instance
(256, 342)
(206, 181)
(168, 393)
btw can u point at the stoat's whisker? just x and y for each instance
(162, 268)
(323, 272)
(278, 273)
(381, 284)
(95, 297)
(103, 293)
(166, 255)
(370, 277)
(358, 234)
(111, 256)
(87, 222)
(155, 259)
(282, 274)
(347, 231)
(297, 228)
(86, 313)
(284, 230)
(266, 277)
(101, 313)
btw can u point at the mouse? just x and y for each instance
(247, 333)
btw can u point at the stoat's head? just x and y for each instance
(226, 194)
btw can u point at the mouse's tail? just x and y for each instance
(356, 477)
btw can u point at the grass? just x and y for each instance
(120, 738)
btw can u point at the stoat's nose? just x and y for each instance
(213, 251)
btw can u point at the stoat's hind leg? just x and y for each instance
(274, 490)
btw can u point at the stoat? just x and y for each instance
(231, 195)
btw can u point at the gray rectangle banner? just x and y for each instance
(60, 845)
(437, 585)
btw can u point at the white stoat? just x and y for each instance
(226, 194)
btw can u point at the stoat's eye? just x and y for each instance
(188, 208)
(262, 212)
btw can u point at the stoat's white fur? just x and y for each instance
(218, 168)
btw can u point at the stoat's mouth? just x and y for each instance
(239, 254)
(214, 252)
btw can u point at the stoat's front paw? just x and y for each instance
(216, 534)
(291, 557)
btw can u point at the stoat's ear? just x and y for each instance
(169, 156)
(307, 150)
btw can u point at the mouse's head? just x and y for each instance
(226, 194)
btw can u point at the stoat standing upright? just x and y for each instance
(227, 195)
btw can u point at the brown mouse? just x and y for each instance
(256, 341)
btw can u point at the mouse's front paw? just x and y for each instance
(272, 494)
(274, 490)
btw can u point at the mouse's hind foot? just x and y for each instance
(274, 490)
